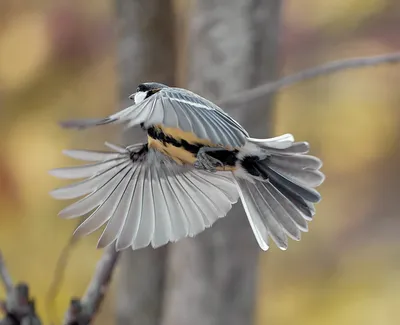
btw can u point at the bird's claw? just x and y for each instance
(206, 162)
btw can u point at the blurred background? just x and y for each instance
(58, 60)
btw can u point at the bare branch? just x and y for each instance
(101, 278)
(5, 276)
(18, 307)
(304, 75)
(82, 311)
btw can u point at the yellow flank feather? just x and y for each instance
(179, 154)
(189, 137)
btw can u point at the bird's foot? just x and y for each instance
(205, 161)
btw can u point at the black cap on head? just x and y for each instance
(146, 86)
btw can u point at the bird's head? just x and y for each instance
(145, 90)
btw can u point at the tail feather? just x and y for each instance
(298, 217)
(280, 215)
(306, 207)
(301, 177)
(253, 213)
(296, 161)
(277, 180)
(281, 142)
(282, 145)
(306, 193)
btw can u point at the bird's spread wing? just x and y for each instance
(142, 197)
(178, 108)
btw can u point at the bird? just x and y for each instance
(196, 164)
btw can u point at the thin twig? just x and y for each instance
(58, 276)
(321, 70)
(5, 276)
(98, 285)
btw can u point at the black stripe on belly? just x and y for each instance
(159, 135)
(227, 157)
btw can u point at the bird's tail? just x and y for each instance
(276, 181)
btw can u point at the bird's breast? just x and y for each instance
(180, 145)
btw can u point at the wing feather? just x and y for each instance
(90, 155)
(162, 226)
(146, 225)
(179, 223)
(209, 125)
(203, 118)
(117, 222)
(106, 209)
(81, 171)
(191, 206)
(216, 197)
(221, 181)
(225, 132)
(148, 201)
(131, 226)
(86, 186)
(205, 203)
(184, 119)
(196, 124)
(170, 115)
(91, 201)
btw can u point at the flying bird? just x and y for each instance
(197, 162)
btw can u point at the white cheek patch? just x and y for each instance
(140, 96)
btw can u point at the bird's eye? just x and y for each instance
(137, 89)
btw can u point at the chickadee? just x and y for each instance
(196, 164)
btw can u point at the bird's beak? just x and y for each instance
(132, 97)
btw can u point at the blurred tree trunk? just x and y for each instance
(233, 46)
(146, 52)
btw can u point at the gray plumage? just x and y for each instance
(152, 201)
(177, 108)
(144, 197)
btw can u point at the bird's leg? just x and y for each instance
(206, 161)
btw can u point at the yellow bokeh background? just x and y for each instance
(346, 270)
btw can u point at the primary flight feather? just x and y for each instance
(196, 164)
